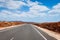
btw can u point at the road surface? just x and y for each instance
(24, 32)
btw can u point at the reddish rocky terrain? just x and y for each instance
(54, 26)
(7, 24)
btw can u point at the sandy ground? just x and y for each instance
(2, 28)
(51, 33)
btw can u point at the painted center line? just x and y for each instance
(12, 38)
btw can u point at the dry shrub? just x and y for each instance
(54, 26)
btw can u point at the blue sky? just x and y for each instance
(30, 10)
(48, 3)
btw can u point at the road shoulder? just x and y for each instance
(51, 33)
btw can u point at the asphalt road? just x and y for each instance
(24, 32)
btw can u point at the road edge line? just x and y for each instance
(39, 33)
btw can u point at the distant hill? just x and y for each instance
(54, 26)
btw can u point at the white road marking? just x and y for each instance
(12, 38)
(39, 33)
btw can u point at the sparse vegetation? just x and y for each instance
(7, 24)
(54, 26)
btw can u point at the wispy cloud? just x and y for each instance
(55, 10)
(36, 10)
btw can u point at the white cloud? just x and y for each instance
(40, 8)
(30, 3)
(14, 4)
(57, 6)
(6, 13)
(2, 3)
(55, 10)
(35, 6)
(35, 10)
(2, 0)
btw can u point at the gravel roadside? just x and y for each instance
(51, 33)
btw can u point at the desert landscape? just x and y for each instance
(53, 26)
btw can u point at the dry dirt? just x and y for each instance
(51, 33)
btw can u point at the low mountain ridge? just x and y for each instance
(54, 26)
